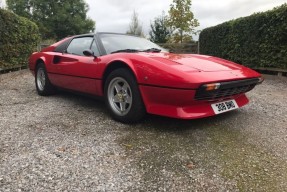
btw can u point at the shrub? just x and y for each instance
(259, 40)
(19, 38)
(181, 47)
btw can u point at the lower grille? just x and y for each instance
(226, 89)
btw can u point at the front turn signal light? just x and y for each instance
(212, 86)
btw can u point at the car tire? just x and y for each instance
(122, 96)
(43, 84)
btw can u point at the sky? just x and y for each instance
(115, 15)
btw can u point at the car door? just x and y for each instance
(77, 71)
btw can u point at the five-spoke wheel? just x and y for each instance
(43, 85)
(122, 96)
(41, 79)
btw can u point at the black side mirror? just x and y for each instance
(89, 53)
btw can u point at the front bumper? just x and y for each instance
(180, 103)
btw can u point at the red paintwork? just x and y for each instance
(179, 103)
(167, 81)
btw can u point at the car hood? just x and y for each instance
(195, 62)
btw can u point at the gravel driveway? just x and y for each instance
(68, 142)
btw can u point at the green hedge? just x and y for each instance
(19, 37)
(187, 48)
(259, 40)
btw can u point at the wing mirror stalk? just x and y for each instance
(89, 53)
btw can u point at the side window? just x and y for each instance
(95, 49)
(78, 45)
(62, 47)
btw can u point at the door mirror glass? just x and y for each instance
(88, 53)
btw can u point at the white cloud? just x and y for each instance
(2, 4)
(213, 12)
(115, 15)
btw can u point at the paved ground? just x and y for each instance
(68, 142)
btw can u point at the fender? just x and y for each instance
(104, 66)
(33, 60)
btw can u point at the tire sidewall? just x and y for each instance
(137, 110)
(47, 89)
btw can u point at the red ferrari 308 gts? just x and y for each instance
(136, 76)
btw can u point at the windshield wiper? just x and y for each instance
(126, 50)
(155, 50)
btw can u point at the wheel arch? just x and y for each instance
(38, 61)
(117, 65)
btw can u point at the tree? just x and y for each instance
(160, 31)
(135, 28)
(55, 18)
(182, 20)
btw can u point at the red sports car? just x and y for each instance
(136, 76)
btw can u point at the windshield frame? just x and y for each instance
(100, 36)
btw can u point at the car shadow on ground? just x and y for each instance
(171, 124)
(150, 122)
(82, 99)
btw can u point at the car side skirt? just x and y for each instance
(90, 86)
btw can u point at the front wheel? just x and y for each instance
(123, 97)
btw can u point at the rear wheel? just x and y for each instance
(123, 97)
(43, 84)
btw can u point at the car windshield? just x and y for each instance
(114, 43)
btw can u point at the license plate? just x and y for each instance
(224, 106)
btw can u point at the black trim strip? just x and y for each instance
(227, 89)
(165, 87)
(75, 76)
